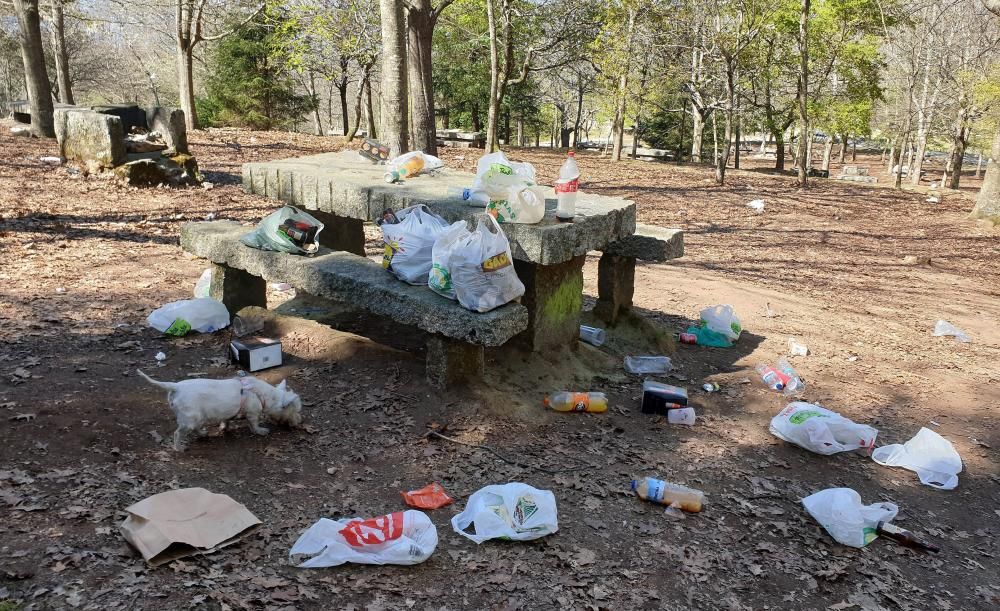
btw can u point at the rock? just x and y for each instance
(177, 170)
(93, 139)
(18, 130)
(170, 123)
(916, 260)
(649, 243)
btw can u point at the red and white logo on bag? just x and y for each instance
(374, 531)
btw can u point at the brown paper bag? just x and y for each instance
(185, 522)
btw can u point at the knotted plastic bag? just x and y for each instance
(404, 537)
(841, 513)
(514, 511)
(482, 268)
(286, 230)
(439, 279)
(410, 242)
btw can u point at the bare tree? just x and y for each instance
(395, 131)
(58, 19)
(35, 74)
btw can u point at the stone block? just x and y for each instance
(169, 122)
(553, 295)
(131, 115)
(851, 170)
(451, 362)
(177, 170)
(237, 289)
(615, 287)
(649, 243)
(91, 138)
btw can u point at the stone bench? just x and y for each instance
(455, 350)
(616, 268)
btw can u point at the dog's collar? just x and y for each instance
(247, 387)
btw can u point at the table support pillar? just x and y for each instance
(341, 232)
(615, 287)
(554, 296)
(237, 289)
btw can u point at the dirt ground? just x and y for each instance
(83, 261)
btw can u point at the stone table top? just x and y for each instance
(348, 185)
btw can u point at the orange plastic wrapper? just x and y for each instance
(431, 496)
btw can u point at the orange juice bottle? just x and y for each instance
(667, 493)
(593, 402)
(407, 169)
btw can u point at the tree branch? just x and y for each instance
(228, 32)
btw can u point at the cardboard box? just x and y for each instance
(256, 353)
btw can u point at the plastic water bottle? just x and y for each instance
(667, 493)
(566, 189)
(407, 169)
(593, 402)
(773, 379)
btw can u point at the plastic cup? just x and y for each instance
(681, 416)
(593, 335)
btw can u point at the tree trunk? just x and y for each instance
(35, 76)
(897, 181)
(619, 122)
(498, 81)
(395, 114)
(988, 201)
(185, 80)
(520, 130)
(420, 21)
(579, 112)
(736, 151)
(59, 50)
(803, 93)
(369, 109)
(697, 133)
(843, 148)
(723, 158)
(809, 148)
(892, 157)
(854, 150)
(828, 152)
(779, 152)
(314, 98)
(358, 105)
(979, 165)
(345, 119)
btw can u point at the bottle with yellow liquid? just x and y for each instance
(593, 402)
(667, 493)
(409, 168)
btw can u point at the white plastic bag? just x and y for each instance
(404, 537)
(204, 284)
(277, 232)
(514, 511)
(482, 268)
(943, 328)
(410, 242)
(523, 204)
(931, 456)
(840, 512)
(204, 315)
(439, 278)
(495, 174)
(722, 319)
(648, 364)
(820, 430)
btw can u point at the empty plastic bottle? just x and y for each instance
(566, 188)
(593, 402)
(667, 493)
(408, 168)
(772, 377)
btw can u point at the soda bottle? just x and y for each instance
(566, 188)
(409, 168)
(667, 493)
(793, 383)
(593, 402)
(772, 377)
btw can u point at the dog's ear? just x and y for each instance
(281, 386)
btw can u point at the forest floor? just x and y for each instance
(83, 261)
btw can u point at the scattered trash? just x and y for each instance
(593, 335)
(682, 415)
(204, 315)
(256, 353)
(688, 338)
(495, 175)
(820, 430)
(916, 260)
(593, 402)
(648, 364)
(710, 386)
(756, 205)
(55, 160)
(286, 230)
(482, 268)
(405, 537)
(675, 514)
(781, 377)
(203, 286)
(160, 357)
(439, 279)
(660, 398)
(668, 493)
(282, 287)
(475, 198)
(719, 327)
(431, 496)
(768, 311)
(185, 522)
(208, 186)
(409, 243)
(841, 513)
(567, 187)
(931, 456)
(513, 511)
(904, 537)
(933, 199)
(523, 204)
(797, 349)
(60, 290)
(945, 328)
(374, 152)
(20, 131)
(410, 164)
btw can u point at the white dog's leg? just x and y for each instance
(180, 438)
(254, 411)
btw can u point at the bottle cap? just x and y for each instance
(572, 153)
(545, 401)
(635, 485)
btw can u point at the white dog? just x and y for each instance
(199, 403)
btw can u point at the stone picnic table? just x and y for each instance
(344, 190)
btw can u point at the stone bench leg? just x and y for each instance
(341, 232)
(553, 295)
(451, 361)
(615, 287)
(237, 289)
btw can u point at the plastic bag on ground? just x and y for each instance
(431, 496)
(204, 284)
(931, 456)
(410, 242)
(286, 230)
(706, 337)
(439, 278)
(404, 537)
(495, 175)
(514, 511)
(723, 320)
(849, 522)
(648, 364)
(204, 315)
(944, 328)
(523, 204)
(821, 430)
(482, 268)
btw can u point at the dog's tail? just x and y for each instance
(163, 385)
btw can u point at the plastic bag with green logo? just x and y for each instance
(821, 430)
(723, 322)
(840, 512)
(439, 280)
(514, 511)
(203, 315)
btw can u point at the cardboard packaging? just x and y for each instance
(256, 353)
